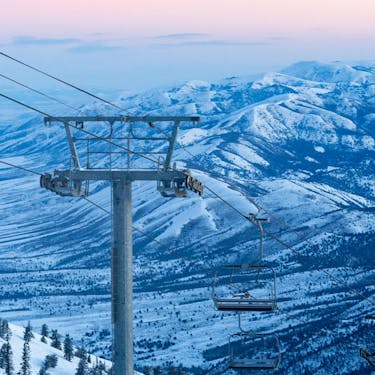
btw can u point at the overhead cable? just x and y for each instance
(59, 80)
(78, 128)
(38, 92)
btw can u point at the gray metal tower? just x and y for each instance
(117, 149)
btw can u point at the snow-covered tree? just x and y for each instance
(4, 328)
(25, 364)
(98, 369)
(68, 348)
(55, 339)
(49, 362)
(81, 353)
(82, 368)
(28, 334)
(7, 356)
(44, 331)
(2, 356)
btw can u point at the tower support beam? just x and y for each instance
(122, 277)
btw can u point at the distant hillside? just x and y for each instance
(299, 143)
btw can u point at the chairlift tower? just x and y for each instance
(114, 149)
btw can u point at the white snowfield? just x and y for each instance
(38, 352)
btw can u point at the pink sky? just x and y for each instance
(232, 18)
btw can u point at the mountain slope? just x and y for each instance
(299, 144)
(38, 353)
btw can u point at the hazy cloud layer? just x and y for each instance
(200, 39)
(31, 40)
(94, 47)
(222, 43)
(213, 42)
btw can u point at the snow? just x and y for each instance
(247, 153)
(191, 136)
(328, 72)
(38, 352)
(320, 149)
(311, 160)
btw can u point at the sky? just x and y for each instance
(135, 45)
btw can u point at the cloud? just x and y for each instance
(25, 40)
(214, 42)
(181, 36)
(200, 39)
(94, 47)
(223, 43)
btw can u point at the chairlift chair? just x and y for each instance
(178, 186)
(253, 351)
(244, 289)
(63, 186)
(172, 189)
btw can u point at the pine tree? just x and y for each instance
(8, 356)
(44, 331)
(49, 362)
(99, 369)
(81, 353)
(25, 364)
(68, 348)
(4, 328)
(1, 328)
(82, 368)
(28, 334)
(55, 339)
(2, 355)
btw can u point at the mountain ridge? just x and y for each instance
(299, 143)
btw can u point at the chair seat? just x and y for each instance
(241, 304)
(256, 364)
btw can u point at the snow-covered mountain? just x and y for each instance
(298, 143)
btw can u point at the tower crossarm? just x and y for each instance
(112, 119)
(69, 182)
(120, 174)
